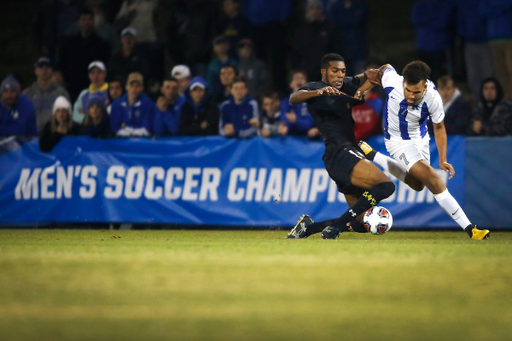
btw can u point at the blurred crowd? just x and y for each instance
(234, 64)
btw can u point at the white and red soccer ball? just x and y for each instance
(378, 220)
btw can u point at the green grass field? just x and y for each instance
(253, 285)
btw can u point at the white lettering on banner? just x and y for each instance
(256, 184)
(115, 188)
(234, 193)
(137, 176)
(46, 182)
(88, 188)
(151, 192)
(170, 193)
(295, 190)
(319, 183)
(190, 184)
(274, 185)
(64, 182)
(210, 183)
(28, 186)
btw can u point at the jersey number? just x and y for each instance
(403, 158)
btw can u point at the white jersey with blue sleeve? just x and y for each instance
(406, 122)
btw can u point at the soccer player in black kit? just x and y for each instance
(364, 185)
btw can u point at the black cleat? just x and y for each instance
(330, 232)
(299, 231)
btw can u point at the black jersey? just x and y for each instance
(333, 113)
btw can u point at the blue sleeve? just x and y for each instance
(304, 123)
(149, 119)
(159, 124)
(116, 117)
(31, 124)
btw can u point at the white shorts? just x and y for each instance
(408, 152)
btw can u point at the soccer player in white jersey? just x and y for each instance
(412, 100)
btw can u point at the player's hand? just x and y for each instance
(374, 76)
(291, 117)
(328, 90)
(447, 168)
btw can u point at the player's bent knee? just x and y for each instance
(383, 190)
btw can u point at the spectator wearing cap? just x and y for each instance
(43, 92)
(314, 39)
(182, 74)
(167, 118)
(296, 119)
(239, 115)
(129, 58)
(59, 126)
(234, 25)
(351, 17)
(199, 114)
(96, 122)
(252, 69)
(97, 76)
(17, 115)
(133, 114)
(78, 51)
(220, 49)
(227, 75)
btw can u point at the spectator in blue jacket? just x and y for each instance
(472, 28)
(351, 16)
(499, 33)
(167, 118)
(239, 115)
(17, 114)
(432, 19)
(199, 114)
(296, 119)
(133, 114)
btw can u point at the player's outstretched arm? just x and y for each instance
(441, 142)
(302, 96)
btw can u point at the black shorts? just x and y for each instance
(339, 163)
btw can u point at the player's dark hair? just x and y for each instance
(330, 57)
(416, 71)
(238, 79)
(231, 66)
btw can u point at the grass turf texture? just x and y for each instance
(253, 285)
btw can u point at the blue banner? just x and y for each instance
(206, 181)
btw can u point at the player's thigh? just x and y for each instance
(366, 175)
(422, 171)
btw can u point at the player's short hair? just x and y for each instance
(443, 81)
(330, 57)
(416, 71)
(239, 79)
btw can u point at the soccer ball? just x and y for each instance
(378, 220)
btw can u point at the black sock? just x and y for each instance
(371, 155)
(366, 201)
(319, 226)
(469, 230)
(358, 226)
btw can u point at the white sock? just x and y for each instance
(390, 166)
(452, 207)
